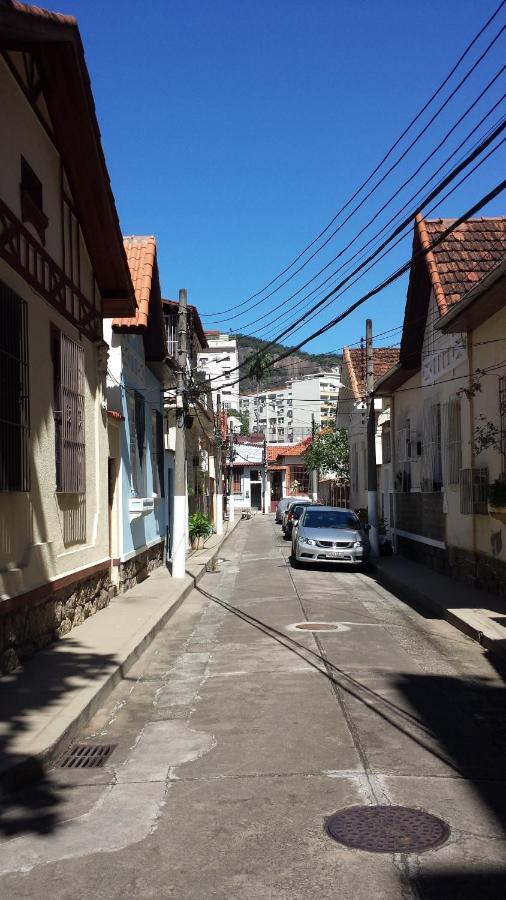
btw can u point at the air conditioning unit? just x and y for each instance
(140, 506)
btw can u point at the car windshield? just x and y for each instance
(331, 518)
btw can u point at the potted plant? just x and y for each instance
(497, 499)
(199, 528)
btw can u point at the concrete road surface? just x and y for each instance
(237, 735)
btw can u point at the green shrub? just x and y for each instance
(199, 526)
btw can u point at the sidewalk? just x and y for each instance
(47, 701)
(478, 614)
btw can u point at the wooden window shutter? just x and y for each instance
(14, 393)
(70, 453)
(160, 451)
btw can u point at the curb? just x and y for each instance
(31, 768)
(402, 590)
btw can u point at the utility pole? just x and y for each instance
(372, 478)
(218, 467)
(179, 541)
(314, 473)
(231, 511)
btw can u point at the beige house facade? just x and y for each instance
(448, 387)
(62, 269)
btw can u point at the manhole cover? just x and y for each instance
(387, 829)
(318, 626)
(86, 756)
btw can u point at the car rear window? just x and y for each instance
(331, 518)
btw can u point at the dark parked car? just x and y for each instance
(292, 517)
(282, 505)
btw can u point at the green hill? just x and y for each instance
(296, 365)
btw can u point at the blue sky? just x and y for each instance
(234, 131)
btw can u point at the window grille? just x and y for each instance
(70, 449)
(140, 424)
(14, 393)
(386, 445)
(159, 444)
(171, 327)
(452, 440)
(154, 455)
(473, 491)
(237, 474)
(502, 418)
(134, 473)
(300, 475)
(432, 467)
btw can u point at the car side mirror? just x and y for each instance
(367, 527)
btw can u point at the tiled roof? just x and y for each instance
(38, 12)
(462, 260)
(274, 451)
(141, 256)
(384, 358)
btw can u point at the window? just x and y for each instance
(473, 491)
(236, 487)
(226, 373)
(300, 475)
(132, 431)
(68, 398)
(31, 200)
(14, 393)
(432, 468)
(253, 475)
(386, 444)
(452, 432)
(157, 452)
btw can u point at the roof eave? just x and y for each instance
(478, 305)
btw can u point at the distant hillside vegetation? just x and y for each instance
(296, 365)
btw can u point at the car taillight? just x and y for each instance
(290, 516)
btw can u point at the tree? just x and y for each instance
(329, 452)
(243, 419)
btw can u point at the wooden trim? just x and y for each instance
(21, 250)
(40, 594)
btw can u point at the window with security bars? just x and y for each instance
(299, 476)
(452, 440)
(157, 449)
(132, 434)
(432, 465)
(473, 491)
(502, 418)
(68, 380)
(14, 393)
(237, 475)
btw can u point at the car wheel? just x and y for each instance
(287, 537)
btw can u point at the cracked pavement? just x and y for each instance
(237, 735)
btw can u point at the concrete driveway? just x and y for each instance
(237, 735)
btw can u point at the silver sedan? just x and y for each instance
(329, 534)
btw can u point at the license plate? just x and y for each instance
(334, 554)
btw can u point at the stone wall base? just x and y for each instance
(135, 570)
(477, 569)
(24, 632)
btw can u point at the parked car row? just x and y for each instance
(323, 534)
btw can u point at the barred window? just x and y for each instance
(14, 393)
(452, 442)
(473, 491)
(158, 453)
(432, 467)
(238, 470)
(300, 475)
(132, 431)
(68, 383)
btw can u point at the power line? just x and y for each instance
(398, 230)
(383, 160)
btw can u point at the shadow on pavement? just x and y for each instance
(26, 694)
(460, 885)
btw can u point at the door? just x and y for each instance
(256, 496)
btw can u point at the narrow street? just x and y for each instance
(237, 735)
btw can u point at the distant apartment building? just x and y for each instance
(285, 414)
(219, 362)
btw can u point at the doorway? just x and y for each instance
(256, 496)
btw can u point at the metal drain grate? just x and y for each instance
(86, 756)
(387, 829)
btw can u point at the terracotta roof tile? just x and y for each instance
(38, 12)
(459, 262)
(274, 451)
(141, 257)
(384, 358)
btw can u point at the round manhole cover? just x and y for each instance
(318, 626)
(387, 829)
